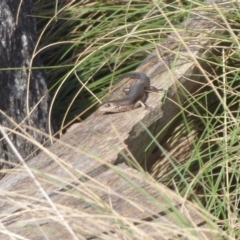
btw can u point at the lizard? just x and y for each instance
(136, 95)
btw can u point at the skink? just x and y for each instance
(136, 95)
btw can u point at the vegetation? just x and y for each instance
(92, 44)
(86, 45)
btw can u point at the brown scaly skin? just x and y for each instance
(136, 95)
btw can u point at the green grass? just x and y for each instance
(86, 47)
(93, 44)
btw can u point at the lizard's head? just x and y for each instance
(109, 107)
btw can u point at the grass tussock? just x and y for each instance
(85, 46)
